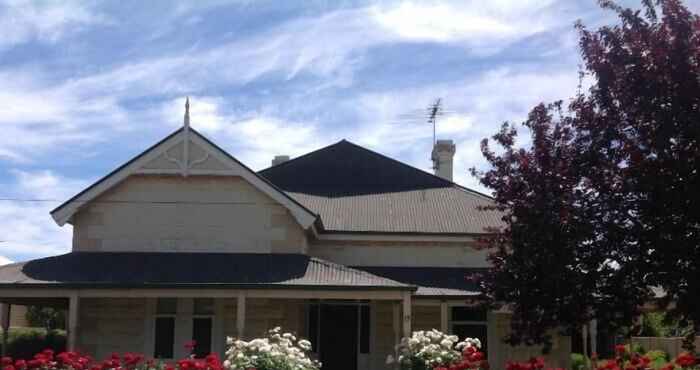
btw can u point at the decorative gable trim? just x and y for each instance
(212, 161)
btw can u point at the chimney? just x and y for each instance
(279, 159)
(442, 156)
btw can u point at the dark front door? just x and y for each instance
(339, 337)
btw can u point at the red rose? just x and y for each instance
(620, 349)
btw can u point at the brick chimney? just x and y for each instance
(442, 156)
(279, 159)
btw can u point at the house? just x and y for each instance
(343, 245)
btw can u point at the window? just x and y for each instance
(201, 334)
(469, 322)
(166, 309)
(202, 323)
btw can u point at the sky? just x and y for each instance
(86, 86)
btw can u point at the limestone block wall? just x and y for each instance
(109, 325)
(265, 314)
(499, 352)
(383, 337)
(186, 214)
(416, 254)
(425, 318)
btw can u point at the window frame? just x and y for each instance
(211, 316)
(451, 323)
(156, 316)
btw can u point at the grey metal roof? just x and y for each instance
(432, 281)
(437, 210)
(357, 190)
(211, 270)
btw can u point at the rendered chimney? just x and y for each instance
(442, 156)
(279, 159)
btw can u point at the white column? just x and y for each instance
(73, 311)
(444, 317)
(397, 331)
(240, 315)
(5, 323)
(593, 328)
(407, 314)
(396, 323)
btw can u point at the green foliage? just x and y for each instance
(659, 324)
(46, 317)
(637, 348)
(658, 358)
(579, 362)
(25, 342)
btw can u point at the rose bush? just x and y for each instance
(625, 359)
(47, 360)
(278, 351)
(434, 349)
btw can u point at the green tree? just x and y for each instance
(46, 317)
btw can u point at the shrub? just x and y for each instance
(579, 362)
(23, 343)
(278, 351)
(46, 360)
(436, 350)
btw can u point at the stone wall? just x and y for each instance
(193, 214)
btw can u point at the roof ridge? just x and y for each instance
(315, 151)
(420, 170)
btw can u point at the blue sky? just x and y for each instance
(85, 86)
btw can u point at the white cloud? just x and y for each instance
(330, 47)
(484, 25)
(479, 106)
(27, 227)
(5, 261)
(46, 21)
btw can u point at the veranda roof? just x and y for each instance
(434, 282)
(189, 270)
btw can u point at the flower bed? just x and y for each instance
(436, 350)
(277, 351)
(46, 360)
(625, 359)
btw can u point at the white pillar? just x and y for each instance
(593, 328)
(444, 317)
(5, 323)
(396, 323)
(73, 311)
(240, 315)
(407, 314)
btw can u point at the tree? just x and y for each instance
(605, 203)
(46, 317)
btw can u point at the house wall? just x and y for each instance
(499, 352)
(193, 214)
(107, 325)
(416, 254)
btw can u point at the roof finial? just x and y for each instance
(187, 112)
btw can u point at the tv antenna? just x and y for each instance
(434, 111)
(431, 113)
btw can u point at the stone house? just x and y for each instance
(343, 245)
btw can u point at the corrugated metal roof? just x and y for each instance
(432, 281)
(96, 269)
(437, 210)
(355, 189)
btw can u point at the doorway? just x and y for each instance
(339, 333)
